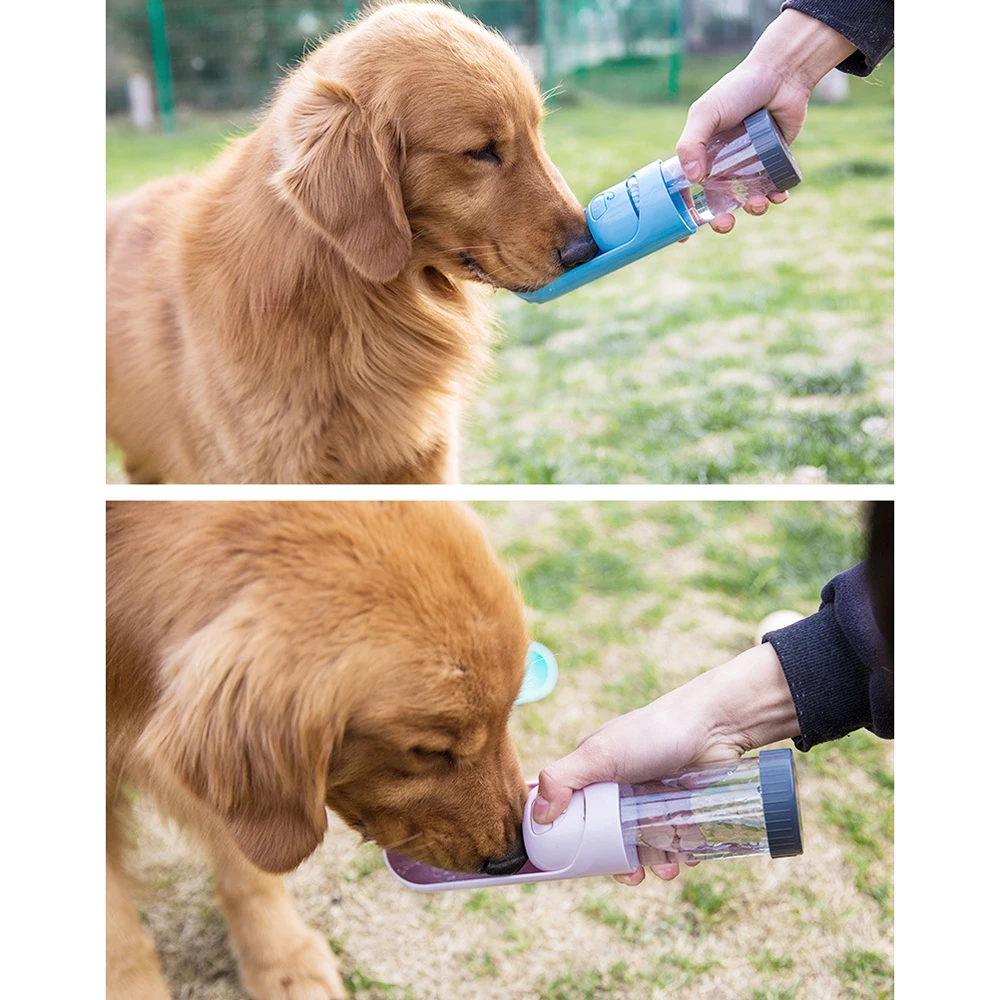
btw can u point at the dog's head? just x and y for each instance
(415, 137)
(371, 670)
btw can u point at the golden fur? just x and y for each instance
(306, 311)
(267, 661)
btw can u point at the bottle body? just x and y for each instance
(712, 812)
(737, 809)
(736, 171)
(751, 158)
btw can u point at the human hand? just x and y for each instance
(788, 60)
(717, 716)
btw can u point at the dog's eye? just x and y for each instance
(489, 153)
(434, 755)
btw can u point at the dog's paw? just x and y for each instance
(307, 971)
(134, 976)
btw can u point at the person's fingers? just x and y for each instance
(756, 205)
(588, 763)
(778, 197)
(702, 123)
(692, 864)
(633, 878)
(666, 872)
(552, 798)
(723, 223)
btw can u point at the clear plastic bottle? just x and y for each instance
(752, 158)
(729, 810)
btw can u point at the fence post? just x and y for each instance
(546, 14)
(161, 64)
(676, 49)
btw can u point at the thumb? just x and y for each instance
(557, 782)
(703, 119)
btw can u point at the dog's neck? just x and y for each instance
(292, 321)
(308, 288)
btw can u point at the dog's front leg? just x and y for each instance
(279, 957)
(133, 970)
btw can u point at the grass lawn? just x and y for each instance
(634, 599)
(761, 356)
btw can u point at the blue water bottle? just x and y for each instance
(658, 205)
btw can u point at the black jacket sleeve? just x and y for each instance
(838, 664)
(868, 24)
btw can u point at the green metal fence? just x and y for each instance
(226, 54)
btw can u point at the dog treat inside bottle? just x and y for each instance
(731, 810)
(720, 811)
(658, 205)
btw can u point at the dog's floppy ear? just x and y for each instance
(342, 176)
(250, 731)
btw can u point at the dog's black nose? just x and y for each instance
(579, 250)
(513, 861)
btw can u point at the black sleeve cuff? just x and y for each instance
(827, 679)
(869, 25)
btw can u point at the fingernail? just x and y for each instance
(692, 170)
(540, 810)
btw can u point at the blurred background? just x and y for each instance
(761, 356)
(225, 53)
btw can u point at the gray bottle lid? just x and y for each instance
(772, 150)
(781, 804)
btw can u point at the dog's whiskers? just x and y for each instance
(399, 843)
(447, 251)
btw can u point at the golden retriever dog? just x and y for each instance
(269, 661)
(312, 308)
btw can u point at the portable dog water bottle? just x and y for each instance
(728, 810)
(658, 205)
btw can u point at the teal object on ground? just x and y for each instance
(540, 674)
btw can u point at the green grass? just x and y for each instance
(866, 975)
(503, 910)
(136, 157)
(605, 912)
(767, 569)
(367, 861)
(482, 965)
(681, 970)
(776, 992)
(768, 962)
(708, 895)
(364, 986)
(729, 359)
(638, 686)
(597, 579)
(588, 984)
(866, 830)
